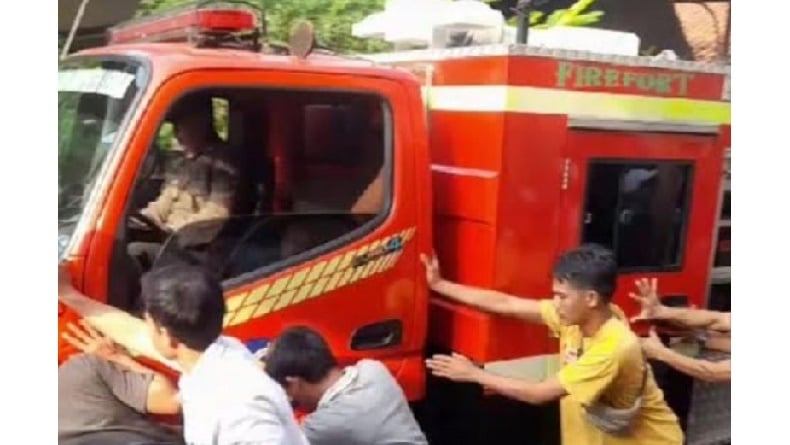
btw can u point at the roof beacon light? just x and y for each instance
(201, 25)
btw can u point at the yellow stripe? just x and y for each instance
(503, 98)
(333, 281)
(304, 291)
(285, 300)
(265, 307)
(346, 276)
(315, 272)
(368, 269)
(243, 314)
(234, 302)
(310, 282)
(298, 279)
(319, 286)
(278, 286)
(257, 294)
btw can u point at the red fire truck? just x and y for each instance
(499, 157)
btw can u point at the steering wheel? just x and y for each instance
(145, 221)
(168, 237)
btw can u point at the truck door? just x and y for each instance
(306, 248)
(648, 193)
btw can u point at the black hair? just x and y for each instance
(300, 352)
(589, 267)
(195, 103)
(187, 301)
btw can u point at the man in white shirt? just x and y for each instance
(357, 405)
(226, 396)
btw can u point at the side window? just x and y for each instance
(283, 175)
(722, 256)
(725, 205)
(639, 209)
(329, 181)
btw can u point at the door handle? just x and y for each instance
(378, 335)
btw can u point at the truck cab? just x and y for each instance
(326, 221)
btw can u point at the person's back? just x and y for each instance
(370, 393)
(226, 385)
(357, 405)
(99, 402)
(226, 398)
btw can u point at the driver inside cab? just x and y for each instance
(199, 186)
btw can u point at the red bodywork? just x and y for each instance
(397, 293)
(502, 209)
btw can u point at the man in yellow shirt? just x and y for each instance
(601, 360)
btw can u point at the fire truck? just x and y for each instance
(496, 157)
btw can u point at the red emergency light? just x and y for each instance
(190, 24)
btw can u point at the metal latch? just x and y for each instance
(566, 173)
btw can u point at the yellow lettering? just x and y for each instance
(628, 79)
(593, 76)
(663, 83)
(580, 77)
(684, 79)
(564, 71)
(645, 82)
(612, 78)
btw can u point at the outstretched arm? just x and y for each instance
(458, 368)
(652, 309)
(695, 318)
(485, 299)
(708, 371)
(120, 326)
(141, 388)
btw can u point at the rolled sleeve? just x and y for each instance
(129, 387)
(550, 317)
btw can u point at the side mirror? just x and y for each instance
(302, 40)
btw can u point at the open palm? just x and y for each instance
(647, 297)
(90, 341)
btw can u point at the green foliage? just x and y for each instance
(332, 20)
(148, 7)
(67, 115)
(573, 16)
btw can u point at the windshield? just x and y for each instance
(94, 97)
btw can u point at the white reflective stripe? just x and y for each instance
(535, 368)
(725, 88)
(580, 104)
(500, 49)
(491, 98)
(460, 171)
